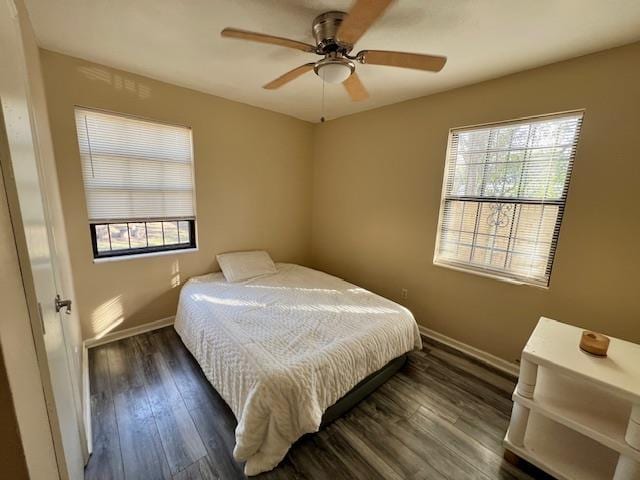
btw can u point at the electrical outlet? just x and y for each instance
(404, 293)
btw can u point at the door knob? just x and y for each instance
(60, 304)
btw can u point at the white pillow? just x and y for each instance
(239, 266)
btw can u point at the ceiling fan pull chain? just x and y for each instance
(322, 108)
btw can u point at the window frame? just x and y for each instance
(97, 255)
(496, 274)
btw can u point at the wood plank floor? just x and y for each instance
(155, 416)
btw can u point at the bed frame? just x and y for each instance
(362, 390)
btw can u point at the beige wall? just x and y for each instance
(377, 195)
(253, 172)
(11, 454)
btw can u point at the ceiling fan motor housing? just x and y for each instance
(325, 29)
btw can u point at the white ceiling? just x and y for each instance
(178, 41)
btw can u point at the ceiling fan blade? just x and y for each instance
(263, 38)
(418, 61)
(355, 88)
(361, 16)
(289, 76)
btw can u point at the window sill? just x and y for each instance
(121, 258)
(493, 276)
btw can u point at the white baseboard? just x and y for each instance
(128, 332)
(86, 401)
(485, 357)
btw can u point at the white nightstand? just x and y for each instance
(575, 415)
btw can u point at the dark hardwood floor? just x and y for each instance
(155, 416)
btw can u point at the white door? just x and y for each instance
(62, 397)
(59, 357)
(60, 371)
(36, 247)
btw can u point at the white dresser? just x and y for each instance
(575, 415)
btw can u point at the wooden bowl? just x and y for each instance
(594, 343)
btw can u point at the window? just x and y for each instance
(504, 192)
(138, 181)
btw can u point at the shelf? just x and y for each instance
(564, 453)
(555, 345)
(584, 407)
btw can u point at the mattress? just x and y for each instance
(282, 348)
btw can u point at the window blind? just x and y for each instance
(504, 192)
(134, 169)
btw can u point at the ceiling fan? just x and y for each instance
(335, 34)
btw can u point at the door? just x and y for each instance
(30, 205)
(34, 250)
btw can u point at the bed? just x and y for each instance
(286, 350)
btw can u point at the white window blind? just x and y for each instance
(134, 169)
(504, 193)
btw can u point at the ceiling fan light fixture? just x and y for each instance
(334, 70)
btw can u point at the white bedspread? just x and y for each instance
(283, 348)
